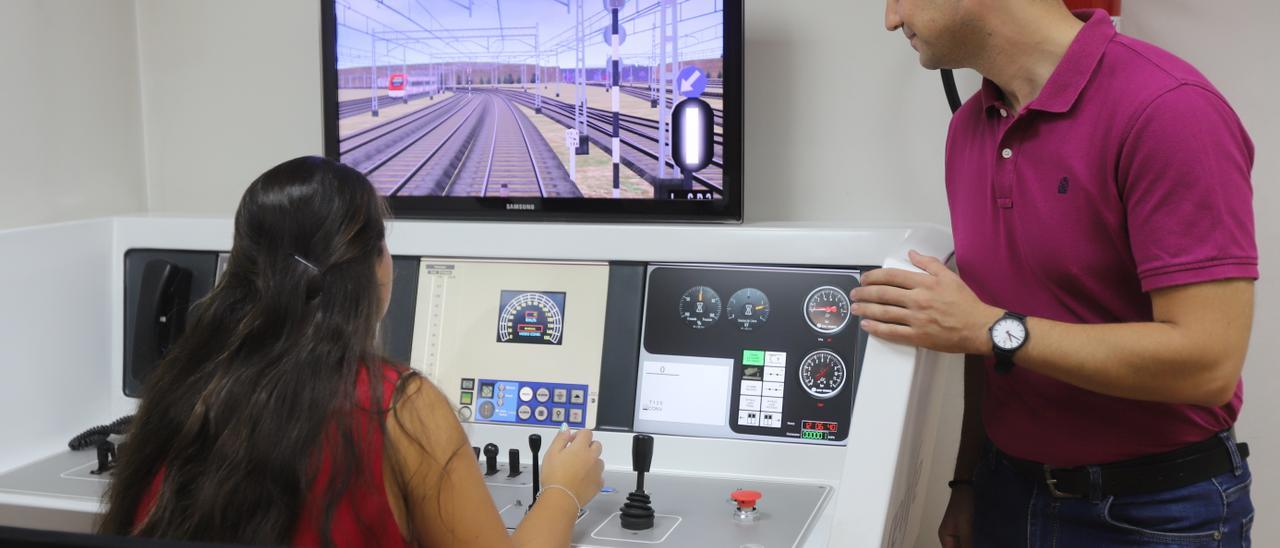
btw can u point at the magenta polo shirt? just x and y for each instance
(1128, 174)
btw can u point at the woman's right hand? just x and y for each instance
(573, 462)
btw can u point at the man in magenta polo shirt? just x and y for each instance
(1102, 209)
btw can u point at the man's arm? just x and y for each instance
(1192, 352)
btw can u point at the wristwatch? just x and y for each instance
(1008, 335)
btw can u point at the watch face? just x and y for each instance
(1008, 334)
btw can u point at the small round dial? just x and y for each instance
(1008, 333)
(749, 308)
(531, 317)
(827, 309)
(700, 307)
(822, 374)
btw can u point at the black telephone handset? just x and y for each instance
(163, 300)
(160, 298)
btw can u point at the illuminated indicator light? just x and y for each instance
(692, 132)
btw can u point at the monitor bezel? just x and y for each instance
(727, 210)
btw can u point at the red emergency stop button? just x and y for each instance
(745, 498)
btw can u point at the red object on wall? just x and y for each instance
(1112, 6)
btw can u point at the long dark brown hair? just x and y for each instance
(236, 413)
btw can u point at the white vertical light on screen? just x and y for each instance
(691, 138)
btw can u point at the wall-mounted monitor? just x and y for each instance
(540, 109)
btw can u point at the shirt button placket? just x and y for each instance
(1004, 174)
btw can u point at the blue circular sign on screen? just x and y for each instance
(692, 82)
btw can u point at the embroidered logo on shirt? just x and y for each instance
(1063, 185)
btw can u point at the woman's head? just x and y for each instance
(267, 368)
(312, 228)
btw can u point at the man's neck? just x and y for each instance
(1024, 49)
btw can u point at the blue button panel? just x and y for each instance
(533, 403)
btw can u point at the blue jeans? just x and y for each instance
(1011, 509)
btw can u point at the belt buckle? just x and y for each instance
(1052, 483)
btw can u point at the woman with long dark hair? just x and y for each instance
(275, 420)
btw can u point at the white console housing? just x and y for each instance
(62, 347)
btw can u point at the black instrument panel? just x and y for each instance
(789, 333)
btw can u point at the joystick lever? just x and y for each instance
(513, 462)
(637, 514)
(641, 457)
(490, 459)
(535, 445)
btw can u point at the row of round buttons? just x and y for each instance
(540, 413)
(561, 395)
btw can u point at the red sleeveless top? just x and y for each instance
(362, 517)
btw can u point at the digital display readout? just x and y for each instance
(818, 430)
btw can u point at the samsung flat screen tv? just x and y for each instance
(594, 110)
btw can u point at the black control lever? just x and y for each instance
(641, 457)
(490, 459)
(476, 450)
(513, 462)
(637, 514)
(535, 445)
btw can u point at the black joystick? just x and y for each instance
(637, 513)
(490, 459)
(535, 445)
(513, 462)
(476, 450)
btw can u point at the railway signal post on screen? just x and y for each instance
(571, 143)
(615, 80)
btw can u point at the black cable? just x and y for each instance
(93, 436)
(949, 86)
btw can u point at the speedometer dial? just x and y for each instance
(531, 318)
(822, 374)
(827, 309)
(700, 307)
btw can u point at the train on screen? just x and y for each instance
(404, 86)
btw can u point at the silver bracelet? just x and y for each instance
(566, 491)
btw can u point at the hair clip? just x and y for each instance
(304, 262)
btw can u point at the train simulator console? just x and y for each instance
(737, 400)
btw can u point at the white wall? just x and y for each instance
(70, 133)
(230, 88)
(1230, 42)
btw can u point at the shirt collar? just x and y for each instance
(1073, 71)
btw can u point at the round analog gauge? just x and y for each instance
(700, 307)
(749, 308)
(531, 317)
(827, 309)
(822, 374)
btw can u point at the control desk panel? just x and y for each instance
(744, 352)
(720, 351)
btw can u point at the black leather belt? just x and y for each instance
(1179, 468)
